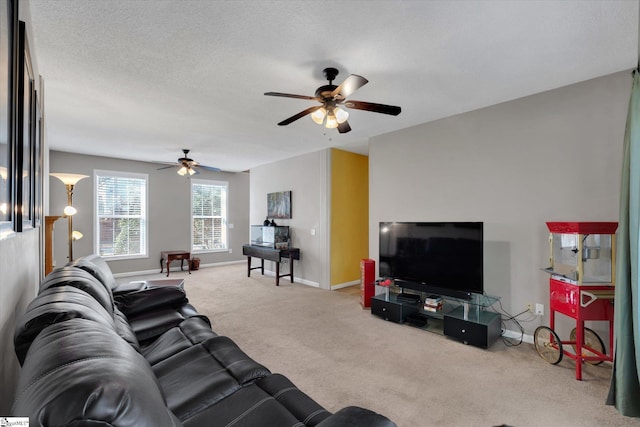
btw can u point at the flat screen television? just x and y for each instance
(444, 258)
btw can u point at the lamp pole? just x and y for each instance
(69, 180)
(69, 188)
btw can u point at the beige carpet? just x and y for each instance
(341, 355)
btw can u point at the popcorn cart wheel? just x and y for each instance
(592, 341)
(549, 346)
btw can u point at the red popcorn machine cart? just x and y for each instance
(581, 286)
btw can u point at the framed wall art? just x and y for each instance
(279, 205)
(8, 18)
(25, 135)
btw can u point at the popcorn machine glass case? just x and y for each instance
(582, 253)
(581, 287)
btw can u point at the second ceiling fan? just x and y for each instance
(187, 166)
(332, 98)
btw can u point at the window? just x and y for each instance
(121, 214)
(208, 215)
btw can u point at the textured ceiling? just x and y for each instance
(143, 79)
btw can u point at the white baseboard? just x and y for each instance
(295, 279)
(174, 268)
(516, 335)
(345, 285)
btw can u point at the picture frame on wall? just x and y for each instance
(25, 135)
(8, 19)
(279, 205)
(36, 163)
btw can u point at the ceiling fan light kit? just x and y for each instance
(331, 97)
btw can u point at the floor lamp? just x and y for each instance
(70, 180)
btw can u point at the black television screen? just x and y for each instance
(444, 258)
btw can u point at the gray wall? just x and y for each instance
(20, 264)
(307, 177)
(169, 210)
(552, 156)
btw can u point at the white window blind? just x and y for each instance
(121, 214)
(208, 215)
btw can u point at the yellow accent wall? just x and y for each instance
(349, 215)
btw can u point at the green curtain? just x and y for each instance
(624, 392)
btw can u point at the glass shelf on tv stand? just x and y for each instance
(472, 310)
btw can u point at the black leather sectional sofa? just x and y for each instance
(97, 354)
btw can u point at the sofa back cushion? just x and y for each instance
(123, 328)
(82, 373)
(97, 267)
(80, 279)
(56, 305)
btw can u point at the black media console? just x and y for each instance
(466, 321)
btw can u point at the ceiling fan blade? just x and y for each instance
(350, 85)
(167, 167)
(288, 95)
(344, 127)
(299, 115)
(376, 108)
(209, 168)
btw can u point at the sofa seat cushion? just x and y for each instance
(205, 374)
(150, 325)
(80, 373)
(270, 401)
(55, 305)
(305, 409)
(189, 332)
(249, 406)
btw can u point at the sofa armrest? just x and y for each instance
(353, 416)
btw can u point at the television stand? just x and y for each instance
(467, 321)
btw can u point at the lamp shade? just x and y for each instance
(69, 178)
(318, 115)
(341, 115)
(76, 235)
(331, 123)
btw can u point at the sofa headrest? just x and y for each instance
(79, 373)
(56, 305)
(80, 279)
(98, 267)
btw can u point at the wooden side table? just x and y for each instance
(167, 256)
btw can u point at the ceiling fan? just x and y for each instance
(187, 166)
(332, 98)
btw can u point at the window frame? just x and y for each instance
(97, 173)
(225, 216)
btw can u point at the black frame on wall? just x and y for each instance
(8, 40)
(21, 155)
(25, 141)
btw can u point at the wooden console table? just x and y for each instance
(167, 256)
(270, 254)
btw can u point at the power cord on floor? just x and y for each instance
(511, 318)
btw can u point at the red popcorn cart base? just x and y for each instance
(581, 287)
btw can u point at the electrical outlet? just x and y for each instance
(540, 309)
(230, 250)
(530, 308)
